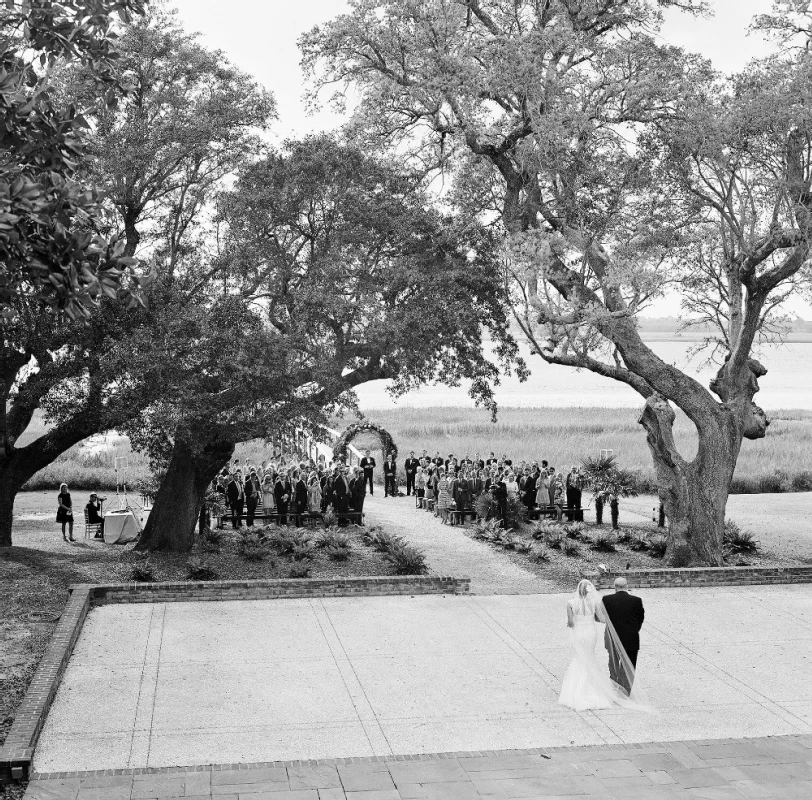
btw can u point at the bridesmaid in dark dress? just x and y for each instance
(64, 512)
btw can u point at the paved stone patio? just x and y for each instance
(176, 684)
(752, 768)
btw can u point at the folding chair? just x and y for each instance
(91, 530)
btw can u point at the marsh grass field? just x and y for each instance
(563, 436)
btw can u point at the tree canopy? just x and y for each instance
(50, 244)
(615, 162)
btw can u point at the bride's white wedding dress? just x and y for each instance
(587, 684)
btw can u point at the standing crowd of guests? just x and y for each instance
(454, 484)
(290, 490)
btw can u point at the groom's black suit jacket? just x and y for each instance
(627, 614)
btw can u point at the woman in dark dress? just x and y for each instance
(64, 512)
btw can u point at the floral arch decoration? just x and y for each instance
(341, 446)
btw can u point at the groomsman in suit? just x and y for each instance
(368, 466)
(390, 472)
(438, 460)
(410, 465)
(282, 492)
(236, 498)
(253, 494)
(626, 613)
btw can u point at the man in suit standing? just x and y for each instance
(341, 500)
(368, 466)
(300, 495)
(390, 471)
(281, 493)
(236, 498)
(253, 494)
(410, 465)
(358, 493)
(626, 615)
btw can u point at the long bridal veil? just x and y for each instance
(628, 689)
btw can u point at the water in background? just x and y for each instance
(788, 383)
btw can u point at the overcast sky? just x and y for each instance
(260, 37)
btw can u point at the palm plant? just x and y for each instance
(608, 483)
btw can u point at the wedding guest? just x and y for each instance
(253, 493)
(443, 498)
(390, 472)
(419, 486)
(314, 493)
(94, 513)
(368, 466)
(358, 494)
(341, 500)
(574, 484)
(282, 494)
(559, 496)
(268, 504)
(300, 498)
(236, 498)
(410, 466)
(429, 490)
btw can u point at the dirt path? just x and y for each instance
(450, 552)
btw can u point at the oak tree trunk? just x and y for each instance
(694, 494)
(172, 520)
(19, 465)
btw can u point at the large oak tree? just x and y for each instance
(354, 275)
(609, 155)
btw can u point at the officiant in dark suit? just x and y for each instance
(626, 613)
(410, 465)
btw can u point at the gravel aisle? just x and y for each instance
(450, 552)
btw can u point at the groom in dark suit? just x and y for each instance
(626, 614)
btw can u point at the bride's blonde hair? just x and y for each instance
(580, 603)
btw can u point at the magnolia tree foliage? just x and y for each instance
(616, 163)
(50, 245)
(159, 155)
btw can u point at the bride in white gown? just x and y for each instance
(587, 684)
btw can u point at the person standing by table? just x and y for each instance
(64, 511)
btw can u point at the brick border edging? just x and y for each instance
(678, 577)
(17, 752)
(659, 746)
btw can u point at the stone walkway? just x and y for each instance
(450, 552)
(778, 767)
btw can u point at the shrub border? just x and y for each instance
(705, 576)
(17, 753)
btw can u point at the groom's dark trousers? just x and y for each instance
(627, 615)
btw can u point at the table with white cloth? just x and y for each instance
(120, 527)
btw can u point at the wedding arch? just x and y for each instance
(340, 448)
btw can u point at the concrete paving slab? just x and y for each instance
(251, 681)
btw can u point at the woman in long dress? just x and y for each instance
(443, 498)
(587, 684)
(268, 502)
(314, 494)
